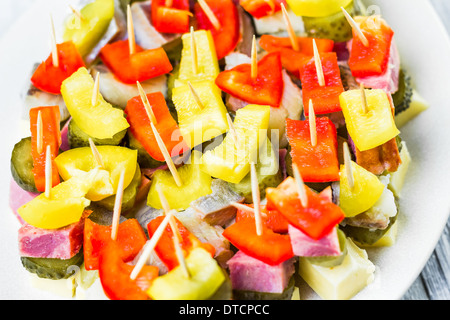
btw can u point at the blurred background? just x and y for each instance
(434, 281)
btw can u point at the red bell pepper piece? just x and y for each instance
(140, 66)
(262, 8)
(373, 59)
(174, 19)
(114, 275)
(167, 127)
(269, 247)
(49, 78)
(325, 99)
(165, 248)
(51, 136)
(319, 163)
(294, 60)
(316, 220)
(265, 89)
(227, 36)
(271, 217)
(130, 238)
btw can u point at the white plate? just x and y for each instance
(425, 207)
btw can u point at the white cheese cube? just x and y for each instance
(341, 282)
(398, 177)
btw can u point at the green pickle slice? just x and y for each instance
(402, 98)
(268, 172)
(255, 295)
(332, 261)
(144, 158)
(54, 269)
(78, 138)
(22, 165)
(366, 236)
(334, 27)
(129, 194)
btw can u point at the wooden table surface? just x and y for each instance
(434, 281)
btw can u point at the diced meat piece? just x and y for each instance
(207, 233)
(388, 81)
(250, 274)
(198, 227)
(304, 246)
(215, 208)
(379, 159)
(61, 243)
(18, 197)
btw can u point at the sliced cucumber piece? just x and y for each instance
(50, 268)
(78, 138)
(334, 27)
(403, 97)
(366, 236)
(268, 171)
(129, 194)
(144, 158)
(22, 165)
(332, 261)
(255, 295)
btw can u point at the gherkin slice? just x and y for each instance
(54, 269)
(255, 295)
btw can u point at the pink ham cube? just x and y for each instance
(304, 246)
(251, 274)
(61, 243)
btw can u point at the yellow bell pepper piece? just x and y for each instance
(207, 63)
(366, 191)
(196, 184)
(372, 128)
(77, 161)
(230, 161)
(316, 8)
(86, 31)
(101, 121)
(206, 277)
(200, 123)
(65, 206)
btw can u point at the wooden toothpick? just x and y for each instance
(355, 27)
(195, 96)
(290, 29)
(117, 206)
(48, 172)
(210, 14)
(55, 57)
(364, 98)
(254, 64)
(301, 189)
(97, 156)
(130, 28)
(348, 166)
(96, 90)
(147, 106)
(176, 233)
(39, 133)
(194, 52)
(256, 199)
(318, 62)
(76, 12)
(150, 245)
(312, 124)
(167, 157)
